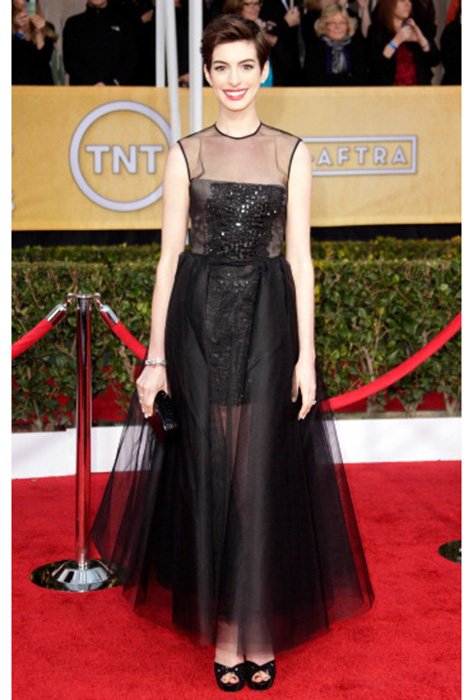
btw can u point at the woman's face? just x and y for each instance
(336, 27)
(235, 74)
(18, 5)
(403, 9)
(250, 9)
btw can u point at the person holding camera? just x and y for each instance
(400, 53)
(32, 47)
(282, 20)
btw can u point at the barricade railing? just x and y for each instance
(84, 574)
(46, 324)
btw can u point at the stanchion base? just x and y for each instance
(69, 575)
(452, 551)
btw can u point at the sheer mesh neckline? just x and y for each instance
(253, 133)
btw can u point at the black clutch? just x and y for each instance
(164, 419)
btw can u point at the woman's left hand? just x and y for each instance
(38, 22)
(303, 380)
(418, 35)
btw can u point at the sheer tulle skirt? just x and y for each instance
(244, 525)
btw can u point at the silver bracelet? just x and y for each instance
(155, 361)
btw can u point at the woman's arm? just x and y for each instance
(173, 238)
(298, 255)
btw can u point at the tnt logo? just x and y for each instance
(363, 155)
(117, 155)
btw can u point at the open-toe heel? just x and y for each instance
(252, 669)
(230, 686)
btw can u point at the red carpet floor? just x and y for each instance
(90, 646)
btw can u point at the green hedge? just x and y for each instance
(376, 303)
(382, 248)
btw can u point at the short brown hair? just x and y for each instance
(226, 29)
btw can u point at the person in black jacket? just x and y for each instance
(141, 15)
(31, 47)
(451, 50)
(336, 54)
(99, 47)
(283, 21)
(399, 51)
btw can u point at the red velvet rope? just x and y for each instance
(30, 338)
(129, 340)
(335, 403)
(349, 397)
(394, 375)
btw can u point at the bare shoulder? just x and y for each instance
(300, 174)
(176, 166)
(175, 156)
(302, 156)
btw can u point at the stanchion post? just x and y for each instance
(82, 574)
(83, 427)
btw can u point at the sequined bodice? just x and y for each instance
(237, 220)
(238, 192)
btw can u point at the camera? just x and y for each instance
(30, 7)
(269, 26)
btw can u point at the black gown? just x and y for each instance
(246, 518)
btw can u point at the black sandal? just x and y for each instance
(252, 669)
(238, 670)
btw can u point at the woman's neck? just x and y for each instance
(236, 124)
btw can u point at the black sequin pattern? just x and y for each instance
(231, 295)
(239, 219)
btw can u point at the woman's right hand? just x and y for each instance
(406, 33)
(152, 379)
(293, 17)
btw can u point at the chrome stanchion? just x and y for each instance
(82, 574)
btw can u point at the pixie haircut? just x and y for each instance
(329, 11)
(226, 29)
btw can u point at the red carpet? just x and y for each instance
(92, 647)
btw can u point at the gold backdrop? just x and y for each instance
(93, 158)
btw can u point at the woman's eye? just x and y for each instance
(248, 66)
(219, 69)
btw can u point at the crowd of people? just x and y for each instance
(313, 43)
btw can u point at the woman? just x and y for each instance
(250, 9)
(336, 55)
(32, 47)
(399, 50)
(245, 517)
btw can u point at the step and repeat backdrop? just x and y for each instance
(93, 158)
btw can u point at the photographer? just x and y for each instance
(282, 20)
(32, 47)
